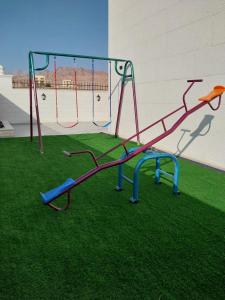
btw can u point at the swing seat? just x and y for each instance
(103, 126)
(217, 91)
(54, 193)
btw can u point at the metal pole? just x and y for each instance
(135, 110)
(31, 102)
(119, 108)
(92, 89)
(36, 106)
(78, 56)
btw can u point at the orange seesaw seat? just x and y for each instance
(217, 91)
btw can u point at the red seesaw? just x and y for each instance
(69, 184)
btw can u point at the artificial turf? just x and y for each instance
(103, 247)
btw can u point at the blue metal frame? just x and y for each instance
(158, 172)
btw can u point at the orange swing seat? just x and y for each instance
(217, 91)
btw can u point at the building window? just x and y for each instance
(67, 83)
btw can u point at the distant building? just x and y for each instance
(67, 83)
(1, 70)
(65, 80)
(40, 79)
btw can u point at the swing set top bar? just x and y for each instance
(47, 54)
(80, 56)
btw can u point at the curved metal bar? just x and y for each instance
(158, 172)
(85, 152)
(218, 106)
(67, 205)
(103, 126)
(176, 172)
(127, 63)
(192, 81)
(116, 68)
(45, 66)
(124, 75)
(135, 179)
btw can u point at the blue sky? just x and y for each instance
(70, 26)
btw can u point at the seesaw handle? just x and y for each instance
(192, 82)
(195, 80)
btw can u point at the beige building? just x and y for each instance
(40, 80)
(170, 41)
(67, 83)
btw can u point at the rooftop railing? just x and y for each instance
(83, 86)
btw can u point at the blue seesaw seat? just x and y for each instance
(54, 193)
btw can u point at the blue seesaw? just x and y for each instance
(51, 195)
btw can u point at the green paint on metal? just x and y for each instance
(126, 63)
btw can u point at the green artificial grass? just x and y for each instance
(103, 247)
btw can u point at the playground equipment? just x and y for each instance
(149, 155)
(216, 92)
(56, 96)
(123, 68)
(68, 185)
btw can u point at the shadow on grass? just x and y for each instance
(165, 247)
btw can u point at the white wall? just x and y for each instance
(170, 41)
(14, 104)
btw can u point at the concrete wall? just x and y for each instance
(14, 104)
(170, 41)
